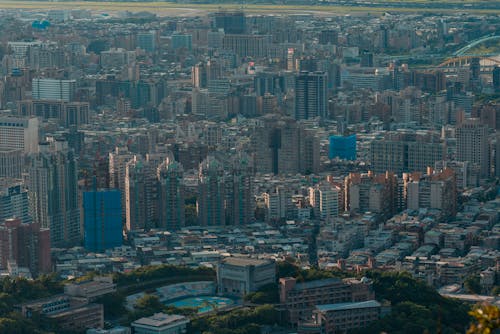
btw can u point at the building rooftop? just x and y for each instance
(348, 306)
(316, 283)
(160, 319)
(244, 261)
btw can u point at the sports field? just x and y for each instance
(171, 8)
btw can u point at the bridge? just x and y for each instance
(462, 57)
(463, 51)
(487, 64)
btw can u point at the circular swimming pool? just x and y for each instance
(203, 303)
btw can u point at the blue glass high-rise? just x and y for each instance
(343, 147)
(102, 219)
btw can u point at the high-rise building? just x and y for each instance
(24, 245)
(497, 156)
(204, 72)
(247, 45)
(475, 68)
(240, 203)
(284, 146)
(68, 113)
(53, 190)
(211, 193)
(118, 160)
(11, 163)
(102, 219)
(19, 133)
(473, 146)
(400, 152)
(342, 147)
(496, 79)
(369, 192)
(14, 200)
(308, 151)
(311, 95)
(147, 41)
(329, 37)
(432, 191)
(53, 89)
(181, 41)
(324, 198)
(171, 208)
(366, 59)
(141, 194)
(276, 201)
(230, 22)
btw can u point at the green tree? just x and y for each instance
(149, 303)
(472, 284)
(266, 294)
(486, 319)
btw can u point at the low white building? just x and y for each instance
(161, 323)
(239, 275)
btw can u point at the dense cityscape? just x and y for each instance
(236, 172)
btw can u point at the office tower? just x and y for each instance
(24, 245)
(181, 41)
(147, 41)
(401, 152)
(328, 37)
(496, 79)
(310, 95)
(342, 147)
(19, 133)
(141, 194)
(211, 193)
(14, 200)
(240, 208)
(432, 191)
(369, 192)
(171, 209)
(472, 144)
(53, 190)
(102, 219)
(11, 163)
(118, 160)
(230, 22)
(53, 89)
